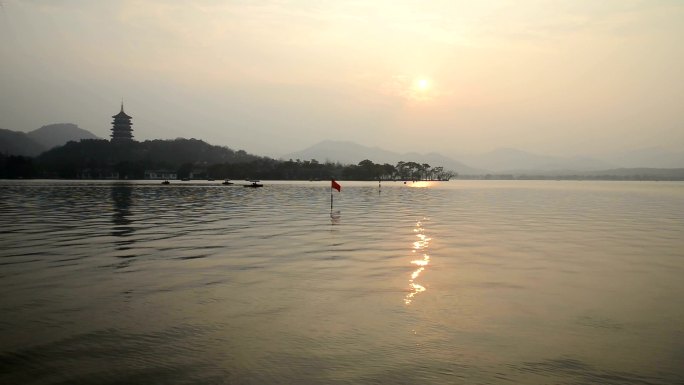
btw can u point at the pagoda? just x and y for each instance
(121, 127)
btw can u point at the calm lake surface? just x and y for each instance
(465, 282)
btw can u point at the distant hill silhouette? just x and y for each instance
(53, 135)
(514, 161)
(645, 173)
(640, 173)
(352, 153)
(132, 159)
(654, 163)
(655, 157)
(35, 142)
(18, 143)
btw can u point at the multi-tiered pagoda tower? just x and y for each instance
(121, 127)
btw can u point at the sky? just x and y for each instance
(562, 77)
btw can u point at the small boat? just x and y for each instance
(227, 182)
(185, 179)
(255, 183)
(166, 182)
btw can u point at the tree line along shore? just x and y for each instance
(195, 159)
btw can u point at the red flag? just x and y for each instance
(336, 185)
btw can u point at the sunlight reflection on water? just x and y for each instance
(419, 247)
(421, 183)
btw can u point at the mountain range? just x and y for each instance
(649, 157)
(513, 161)
(42, 139)
(353, 153)
(499, 161)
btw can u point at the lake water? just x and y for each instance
(460, 282)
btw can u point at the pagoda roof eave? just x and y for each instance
(121, 115)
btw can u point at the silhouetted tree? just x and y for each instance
(13, 167)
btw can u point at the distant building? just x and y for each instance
(121, 127)
(160, 174)
(98, 173)
(198, 174)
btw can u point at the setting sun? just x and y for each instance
(423, 84)
(416, 89)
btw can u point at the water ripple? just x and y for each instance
(525, 282)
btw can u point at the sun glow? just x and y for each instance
(422, 84)
(415, 89)
(421, 89)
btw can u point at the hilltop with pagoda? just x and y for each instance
(122, 157)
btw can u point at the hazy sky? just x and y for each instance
(553, 77)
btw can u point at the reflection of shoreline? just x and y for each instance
(419, 247)
(122, 201)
